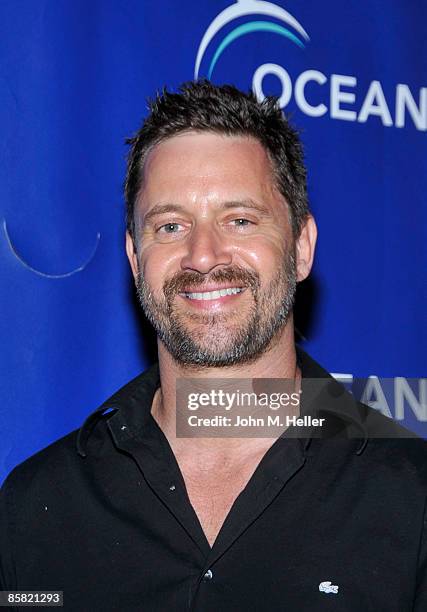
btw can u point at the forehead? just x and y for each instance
(201, 163)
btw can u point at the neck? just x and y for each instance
(278, 361)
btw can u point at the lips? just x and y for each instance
(221, 288)
(214, 294)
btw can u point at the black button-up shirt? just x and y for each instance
(323, 524)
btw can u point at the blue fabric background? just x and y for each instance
(74, 78)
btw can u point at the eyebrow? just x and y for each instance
(247, 203)
(160, 209)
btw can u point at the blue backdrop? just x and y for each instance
(74, 77)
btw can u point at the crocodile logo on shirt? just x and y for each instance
(328, 587)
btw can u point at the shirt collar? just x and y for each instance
(131, 404)
(322, 394)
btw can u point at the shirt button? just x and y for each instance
(207, 576)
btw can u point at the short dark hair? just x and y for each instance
(201, 106)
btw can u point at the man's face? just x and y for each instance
(215, 265)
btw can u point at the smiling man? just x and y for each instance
(126, 514)
(215, 268)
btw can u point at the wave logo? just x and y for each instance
(340, 95)
(243, 8)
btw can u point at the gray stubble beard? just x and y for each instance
(216, 346)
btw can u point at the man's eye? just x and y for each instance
(241, 222)
(169, 228)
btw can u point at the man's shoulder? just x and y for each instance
(46, 463)
(62, 457)
(378, 425)
(394, 440)
(388, 441)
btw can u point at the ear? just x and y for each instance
(305, 246)
(132, 254)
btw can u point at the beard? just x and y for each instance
(221, 339)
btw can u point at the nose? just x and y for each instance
(205, 250)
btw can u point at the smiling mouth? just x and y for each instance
(212, 295)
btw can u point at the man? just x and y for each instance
(125, 514)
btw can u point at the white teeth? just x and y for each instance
(213, 295)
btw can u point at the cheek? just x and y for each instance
(158, 263)
(264, 252)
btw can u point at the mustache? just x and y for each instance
(182, 280)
